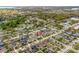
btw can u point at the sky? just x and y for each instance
(39, 3)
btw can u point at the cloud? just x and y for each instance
(39, 2)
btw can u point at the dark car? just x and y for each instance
(1, 44)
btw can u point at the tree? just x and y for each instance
(12, 23)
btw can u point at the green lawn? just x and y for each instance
(76, 46)
(70, 51)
